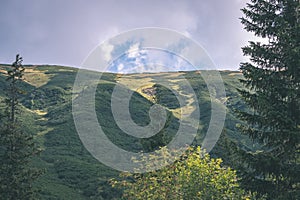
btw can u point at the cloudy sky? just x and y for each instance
(64, 32)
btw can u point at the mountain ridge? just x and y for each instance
(72, 172)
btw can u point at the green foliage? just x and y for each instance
(165, 97)
(72, 172)
(138, 107)
(273, 95)
(17, 147)
(194, 176)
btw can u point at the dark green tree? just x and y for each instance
(17, 147)
(272, 81)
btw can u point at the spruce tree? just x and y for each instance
(17, 147)
(272, 81)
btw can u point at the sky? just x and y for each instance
(64, 32)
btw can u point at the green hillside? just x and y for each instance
(72, 173)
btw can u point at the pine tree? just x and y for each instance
(272, 79)
(17, 147)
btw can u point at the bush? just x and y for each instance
(193, 176)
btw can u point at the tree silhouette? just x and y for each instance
(272, 79)
(17, 148)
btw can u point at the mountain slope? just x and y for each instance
(72, 173)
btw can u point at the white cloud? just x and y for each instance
(133, 50)
(120, 67)
(107, 49)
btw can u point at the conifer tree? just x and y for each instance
(17, 147)
(272, 81)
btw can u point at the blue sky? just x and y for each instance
(64, 32)
(149, 61)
